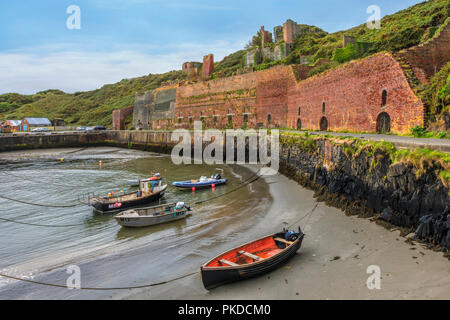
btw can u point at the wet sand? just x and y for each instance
(333, 262)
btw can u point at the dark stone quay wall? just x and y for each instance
(13, 142)
(369, 184)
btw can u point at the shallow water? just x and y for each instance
(41, 177)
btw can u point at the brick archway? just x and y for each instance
(323, 124)
(383, 123)
(299, 124)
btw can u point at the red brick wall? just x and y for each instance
(272, 96)
(353, 97)
(221, 97)
(119, 118)
(208, 66)
(255, 95)
(429, 57)
(288, 32)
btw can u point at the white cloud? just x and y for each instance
(63, 67)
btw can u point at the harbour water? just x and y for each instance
(53, 238)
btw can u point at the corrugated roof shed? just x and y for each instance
(14, 123)
(38, 121)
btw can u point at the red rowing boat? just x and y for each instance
(251, 259)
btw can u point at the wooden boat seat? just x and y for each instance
(284, 241)
(231, 264)
(254, 257)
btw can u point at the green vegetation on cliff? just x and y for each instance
(85, 108)
(421, 159)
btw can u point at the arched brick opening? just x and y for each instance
(384, 98)
(383, 123)
(299, 124)
(269, 119)
(323, 124)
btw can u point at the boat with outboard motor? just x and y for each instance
(150, 190)
(252, 259)
(203, 182)
(145, 217)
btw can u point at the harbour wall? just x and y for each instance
(25, 141)
(360, 177)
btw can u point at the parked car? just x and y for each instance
(81, 128)
(99, 128)
(89, 129)
(40, 130)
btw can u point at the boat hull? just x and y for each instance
(215, 277)
(140, 222)
(108, 207)
(199, 185)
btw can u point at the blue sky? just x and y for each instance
(129, 38)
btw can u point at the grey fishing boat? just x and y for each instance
(145, 217)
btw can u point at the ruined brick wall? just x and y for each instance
(154, 109)
(215, 101)
(247, 100)
(351, 97)
(266, 37)
(208, 66)
(428, 58)
(187, 66)
(291, 31)
(141, 114)
(272, 96)
(119, 118)
(191, 69)
(163, 110)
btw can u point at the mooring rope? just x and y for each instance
(306, 215)
(98, 289)
(43, 225)
(40, 204)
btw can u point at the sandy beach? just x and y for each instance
(333, 262)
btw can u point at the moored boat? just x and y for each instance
(203, 182)
(251, 259)
(150, 190)
(145, 217)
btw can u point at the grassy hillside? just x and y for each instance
(87, 108)
(400, 30)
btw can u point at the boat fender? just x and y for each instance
(291, 236)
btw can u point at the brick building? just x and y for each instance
(371, 94)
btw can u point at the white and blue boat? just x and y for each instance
(203, 182)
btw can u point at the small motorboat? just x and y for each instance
(146, 217)
(203, 182)
(150, 190)
(251, 259)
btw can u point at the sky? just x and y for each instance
(120, 39)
